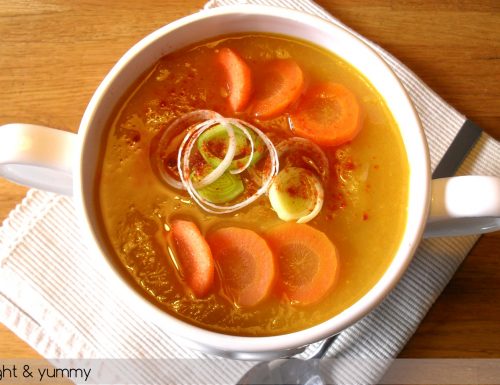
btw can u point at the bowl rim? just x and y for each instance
(231, 343)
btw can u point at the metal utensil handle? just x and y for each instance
(323, 347)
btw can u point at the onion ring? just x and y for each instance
(226, 162)
(317, 155)
(250, 157)
(183, 164)
(176, 126)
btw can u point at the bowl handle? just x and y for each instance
(38, 156)
(464, 205)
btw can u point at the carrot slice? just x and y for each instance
(329, 114)
(281, 84)
(245, 264)
(194, 256)
(307, 261)
(239, 78)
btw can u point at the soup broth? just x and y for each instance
(365, 192)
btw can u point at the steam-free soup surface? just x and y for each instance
(365, 198)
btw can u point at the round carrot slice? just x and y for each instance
(245, 264)
(307, 261)
(239, 78)
(328, 114)
(194, 256)
(280, 85)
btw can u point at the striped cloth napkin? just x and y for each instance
(54, 295)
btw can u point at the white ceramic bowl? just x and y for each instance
(227, 20)
(47, 165)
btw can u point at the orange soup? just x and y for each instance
(253, 185)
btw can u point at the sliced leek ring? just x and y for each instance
(219, 133)
(296, 194)
(224, 189)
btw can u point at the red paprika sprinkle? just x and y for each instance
(349, 165)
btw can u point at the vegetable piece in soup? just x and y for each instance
(253, 184)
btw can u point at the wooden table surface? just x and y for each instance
(54, 53)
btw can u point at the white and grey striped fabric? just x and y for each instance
(54, 296)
